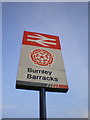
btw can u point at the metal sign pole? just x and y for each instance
(42, 104)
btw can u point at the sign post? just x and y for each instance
(41, 66)
(42, 104)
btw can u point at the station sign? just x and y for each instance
(41, 64)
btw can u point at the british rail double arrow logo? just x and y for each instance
(41, 40)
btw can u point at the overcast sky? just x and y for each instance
(69, 21)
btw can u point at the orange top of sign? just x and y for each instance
(41, 40)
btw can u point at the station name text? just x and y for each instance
(44, 75)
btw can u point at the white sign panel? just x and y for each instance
(41, 63)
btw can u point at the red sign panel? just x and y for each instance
(41, 40)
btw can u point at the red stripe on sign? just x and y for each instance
(63, 86)
(41, 40)
(60, 86)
